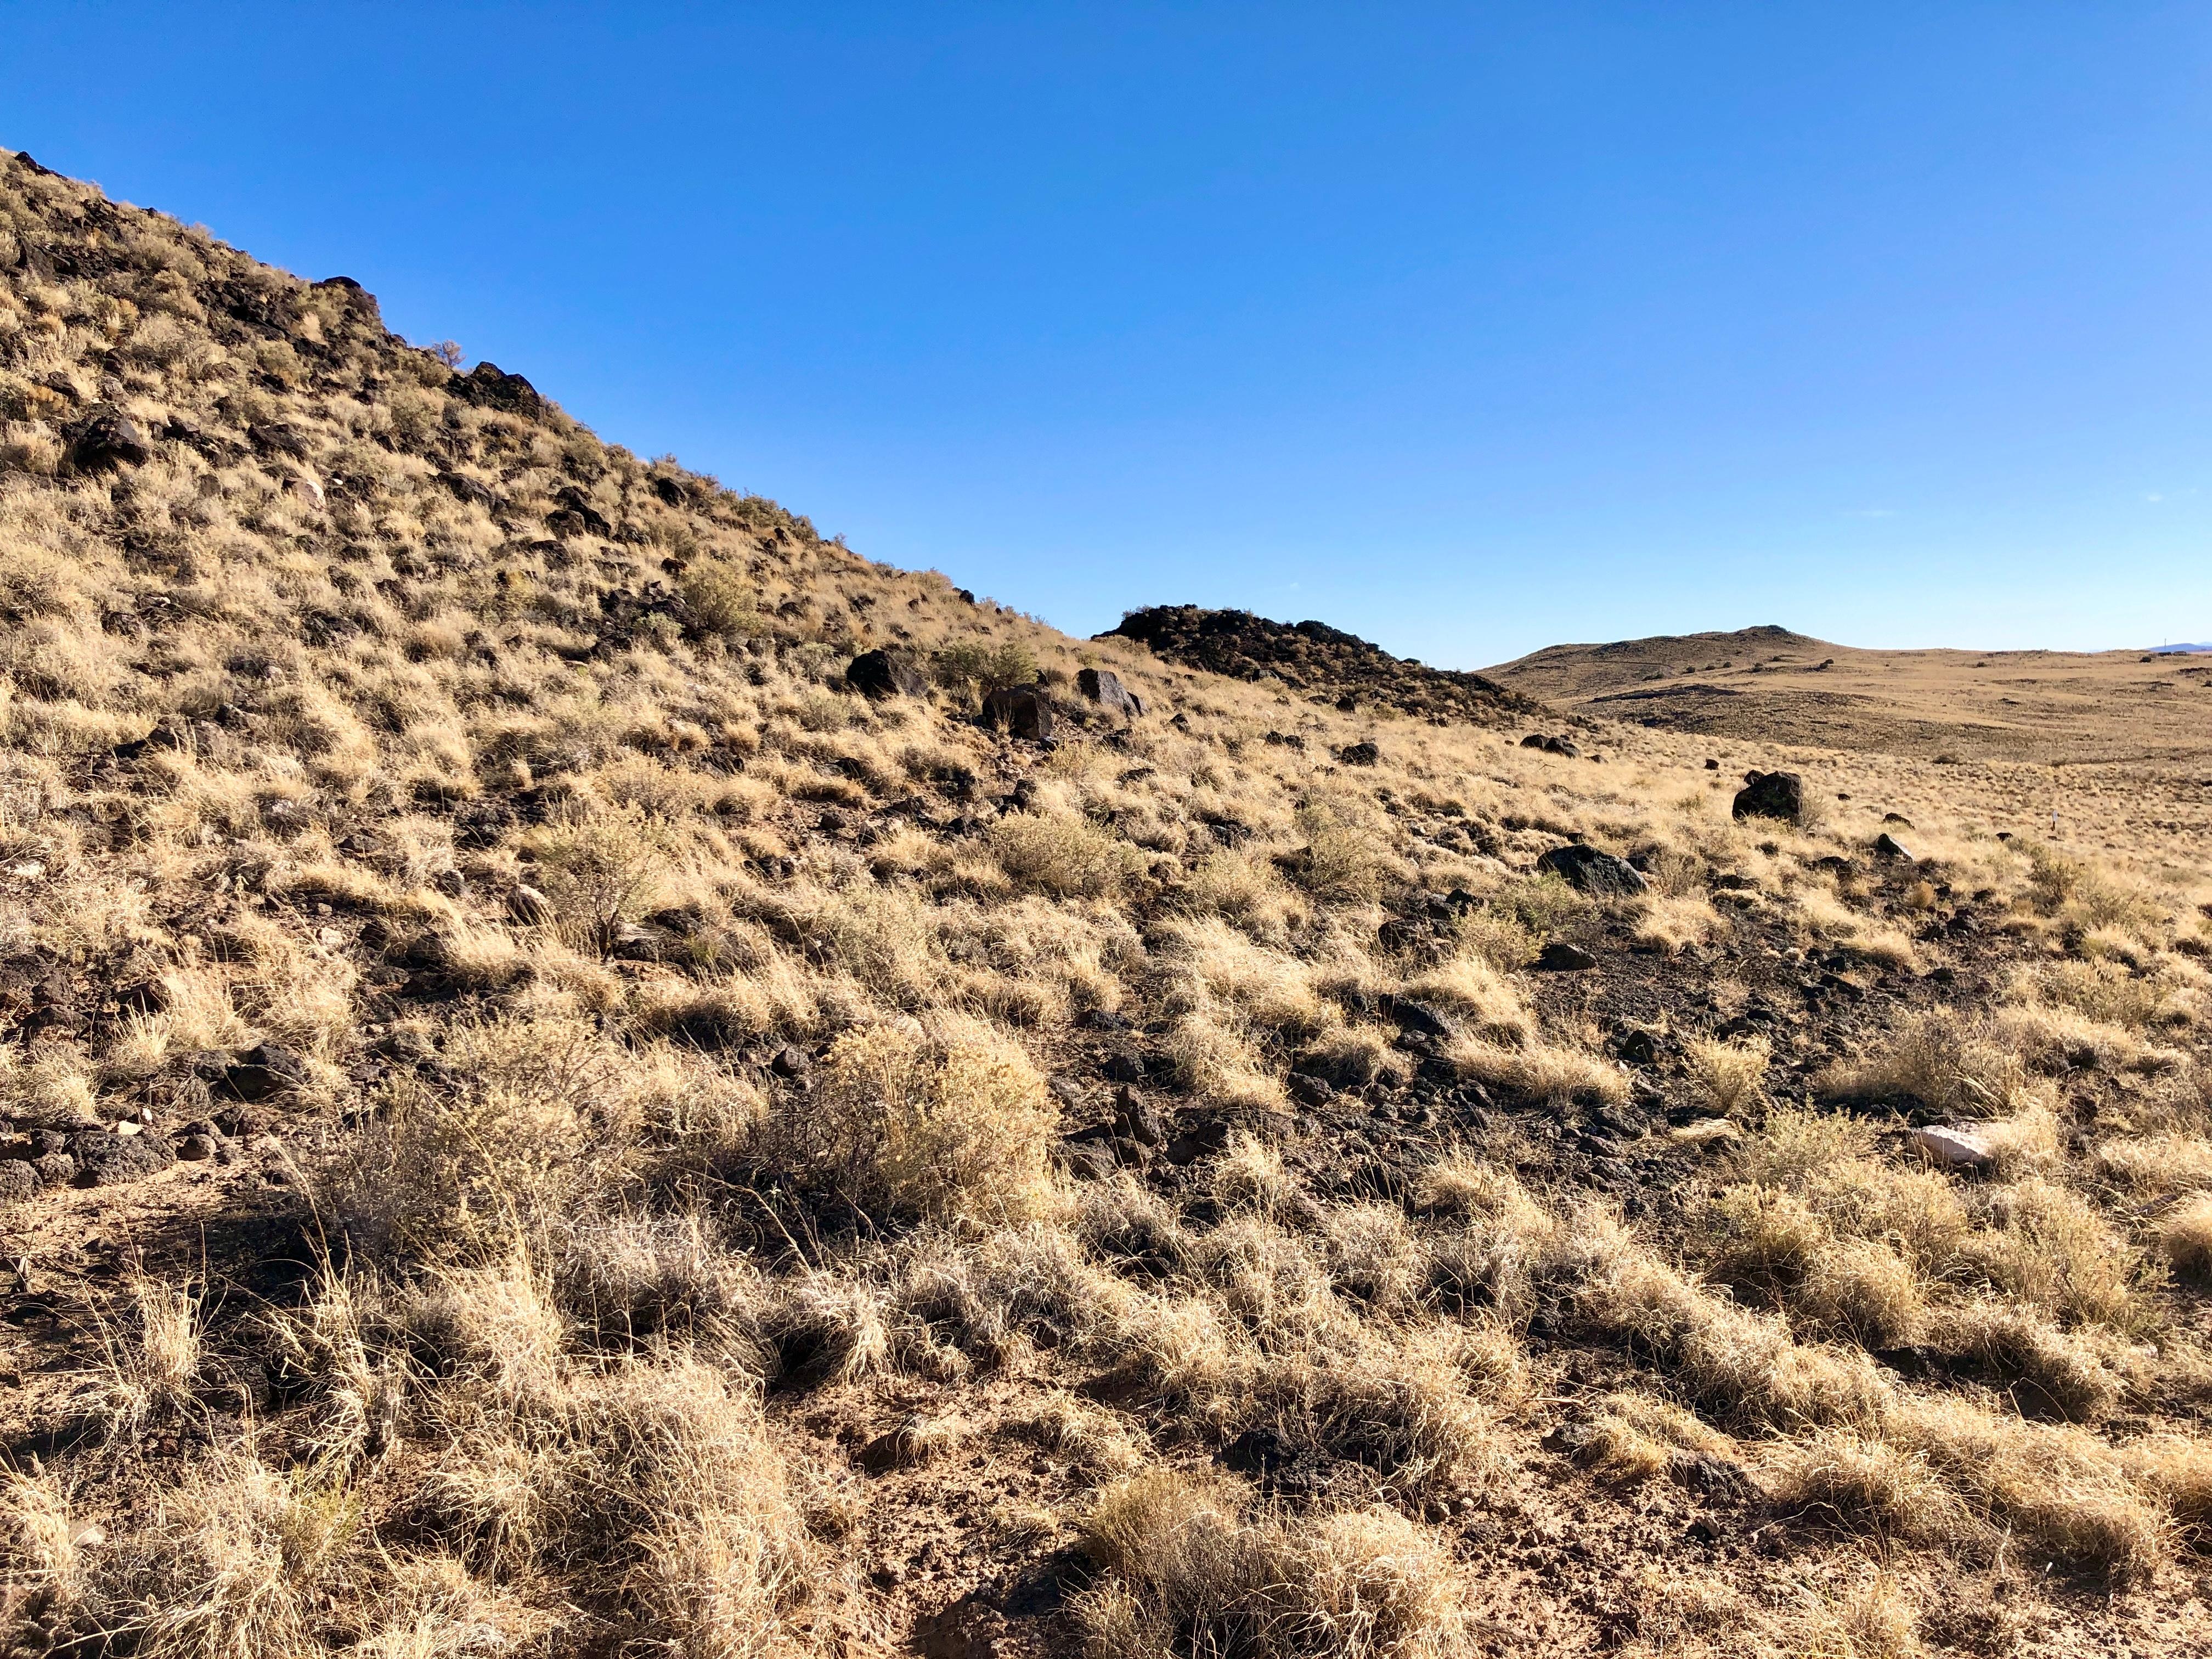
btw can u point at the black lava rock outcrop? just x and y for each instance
(1323, 663)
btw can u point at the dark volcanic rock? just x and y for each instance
(1324, 663)
(1561, 957)
(1103, 687)
(886, 674)
(1024, 711)
(109, 1160)
(106, 439)
(1359, 754)
(1771, 795)
(264, 1071)
(1589, 870)
(489, 387)
(1887, 847)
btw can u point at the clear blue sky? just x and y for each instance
(1470, 328)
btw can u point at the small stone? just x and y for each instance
(1561, 958)
(264, 1071)
(1420, 1019)
(54, 1169)
(18, 1180)
(1310, 1090)
(195, 1149)
(1953, 1149)
(790, 1062)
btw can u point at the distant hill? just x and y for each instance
(1320, 663)
(1771, 684)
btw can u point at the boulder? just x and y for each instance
(109, 1160)
(1887, 845)
(1566, 747)
(1534, 740)
(18, 1180)
(790, 1062)
(265, 1071)
(1310, 1090)
(1359, 754)
(1023, 711)
(1589, 870)
(1561, 958)
(1897, 818)
(105, 440)
(886, 674)
(54, 1169)
(1771, 795)
(1086, 1157)
(1103, 687)
(1138, 1118)
(1953, 1149)
(1420, 1019)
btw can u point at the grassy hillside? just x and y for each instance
(541, 1119)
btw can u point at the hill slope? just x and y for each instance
(540, 1119)
(1771, 685)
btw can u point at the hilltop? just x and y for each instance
(1317, 663)
(587, 1071)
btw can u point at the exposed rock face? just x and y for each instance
(105, 440)
(1325, 664)
(1024, 711)
(1589, 870)
(886, 674)
(1771, 795)
(1103, 687)
(489, 387)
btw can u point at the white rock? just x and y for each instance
(1954, 1149)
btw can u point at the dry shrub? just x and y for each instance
(2177, 1471)
(2059, 1488)
(1346, 859)
(2157, 1166)
(1064, 856)
(2051, 1248)
(539, 1120)
(1729, 1074)
(1403, 1417)
(150, 1361)
(1539, 1071)
(949, 1121)
(1633, 1437)
(1850, 1479)
(1184, 1571)
(1939, 1059)
(2046, 1370)
(2184, 1239)
(1473, 988)
(1863, 1290)
(599, 869)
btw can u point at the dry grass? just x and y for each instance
(729, 1147)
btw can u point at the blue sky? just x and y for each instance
(1469, 328)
